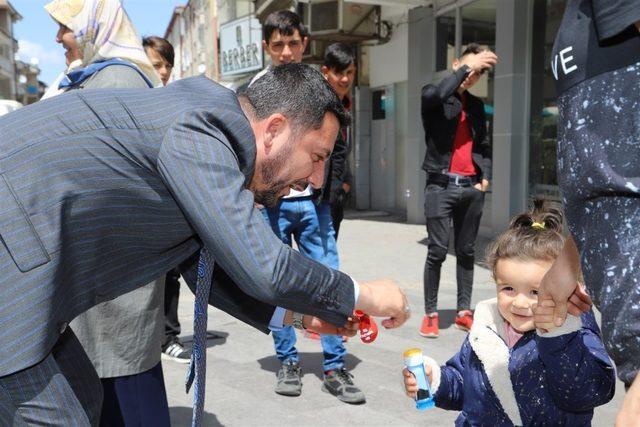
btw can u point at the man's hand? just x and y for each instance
(482, 186)
(580, 302)
(629, 415)
(410, 382)
(315, 324)
(383, 298)
(480, 62)
(561, 282)
(346, 188)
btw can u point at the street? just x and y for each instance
(241, 365)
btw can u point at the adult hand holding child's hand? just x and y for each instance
(560, 285)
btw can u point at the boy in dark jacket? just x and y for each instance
(508, 374)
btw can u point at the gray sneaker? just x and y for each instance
(289, 379)
(340, 384)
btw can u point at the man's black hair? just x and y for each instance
(298, 92)
(338, 56)
(472, 48)
(285, 22)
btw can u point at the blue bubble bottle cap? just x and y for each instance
(424, 404)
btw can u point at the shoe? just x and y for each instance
(339, 383)
(176, 352)
(429, 327)
(289, 379)
(464, 320)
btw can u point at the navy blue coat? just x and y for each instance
(555, 379)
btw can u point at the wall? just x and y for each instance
(388, 63)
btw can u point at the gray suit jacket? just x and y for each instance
(102, 191)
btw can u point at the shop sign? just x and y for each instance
(241, 46)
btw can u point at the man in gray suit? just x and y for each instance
(101, 191)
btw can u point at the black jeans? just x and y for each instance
(463, 205)
(337, 212)
(599, 177)
(171, 295)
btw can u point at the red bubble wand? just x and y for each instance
(368, 327)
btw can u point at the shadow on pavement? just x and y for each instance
(375, 216)
(446, 318)
(481, 247)
(309, 362)
(214, 338)
(181, 417)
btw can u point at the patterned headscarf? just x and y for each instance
(103, 31)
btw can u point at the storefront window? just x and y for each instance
(479, 26)
(544, 110)
(445, 40)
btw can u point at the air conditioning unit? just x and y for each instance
(341, 18)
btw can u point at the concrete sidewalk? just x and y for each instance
(241, 365)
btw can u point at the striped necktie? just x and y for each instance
(198, 365)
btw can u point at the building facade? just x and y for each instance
(519, 95)
(194, 32)
(8, 48)
(28, 88)
(415, 44)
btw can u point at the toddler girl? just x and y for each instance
(506, 372)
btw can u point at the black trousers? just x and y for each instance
(337, 213)
(463, 206)
(136, 400)
(171, 295)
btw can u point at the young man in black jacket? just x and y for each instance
(458, 166)
(339, 68)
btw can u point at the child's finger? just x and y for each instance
(543, 311)
(546, 326)
(429, 372)
(547, 303)
(543, 317)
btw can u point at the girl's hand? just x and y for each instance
(410, 382)
(543, 316)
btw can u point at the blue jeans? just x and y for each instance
(312, 228)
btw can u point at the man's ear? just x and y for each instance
(456, 64)
(275, 124)
(325, 71)
(305, 42)
(265, 46)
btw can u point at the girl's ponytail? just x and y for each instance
(532, 235)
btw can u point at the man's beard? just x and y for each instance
(271, 168)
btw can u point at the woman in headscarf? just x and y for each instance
(122, 337)
(102, 47)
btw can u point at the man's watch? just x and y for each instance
(297, 321)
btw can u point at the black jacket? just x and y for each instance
(337, 170)
(441, 107)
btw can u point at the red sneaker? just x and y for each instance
(464, 320)
(429, 327)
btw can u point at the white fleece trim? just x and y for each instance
(572, 324)
(436, 373)
(491, 349)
